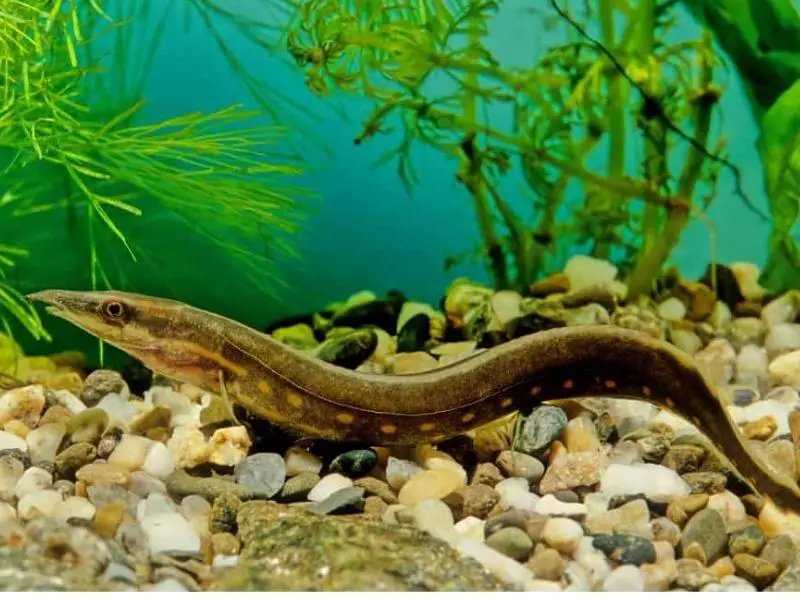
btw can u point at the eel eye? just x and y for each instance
(113, 309)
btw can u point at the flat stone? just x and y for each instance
(286, 548)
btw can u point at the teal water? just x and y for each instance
(366, 232)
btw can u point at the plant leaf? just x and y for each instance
(779, 145)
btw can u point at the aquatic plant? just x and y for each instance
(615, 90)
(762, 38)
(80, 167)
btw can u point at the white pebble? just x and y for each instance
(592, 560)
(117, 409)
(541, 585)
(155, 504)
(730, 507)
(586, 271)
(331, 483)
(142, 484)
(75, 507)
(299, 460)
(550, 505)
(168, 585)
(399, 471)
(222, 561)
(785, 370)
(471, 527)
(626, 578)
(196, 509)
(562, 534)
(654, 481)
(596, 503)
(33, 480)
(158, 462)
(784, 337)
(43, 503)
(501, 566)
(9, 441)
(69, 401)
(43, 442)
(434, 517)
(170, 532)
(672, 309)
(7, 513)
(184, 412)
(514, 494)
(131, 452)
(732, 583)
(767, 407)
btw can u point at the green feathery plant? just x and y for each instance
(79, 167)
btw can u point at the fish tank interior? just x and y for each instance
(392, 185)
(265, 158)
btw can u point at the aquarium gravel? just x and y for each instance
(164, 490)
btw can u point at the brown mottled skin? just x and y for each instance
(320, 400)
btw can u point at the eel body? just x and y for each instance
(319, 400)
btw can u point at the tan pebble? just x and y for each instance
(695, 551)
(760, 429)
(557, 450)
(80, 489)
(229, 446)
(188, 447)
(659, 576)
(722, 567)
(108, 518)
(430, 485)
(18, 428)
(580, 435)
(383, 455)
(374, 506)
(756, 570)
(547, 564)
(95, 473)
(225, 544)
(130, 452)
(412, 362)
(441, 464)
(677, 515)
(774, 522)
(55, 414)
(664, 550)
(23, 404)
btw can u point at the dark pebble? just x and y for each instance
(381, 313)
(657, 509)
(510, 518)
(540, 428)
(297, 488)
(625, 549)
(567, 496)
(346, 501)
(355, 463)
(415, 333)
(17, 454)
(349, 350)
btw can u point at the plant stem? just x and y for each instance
(472, 175)
(651, 261)
(654, 131)
(616, 131)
